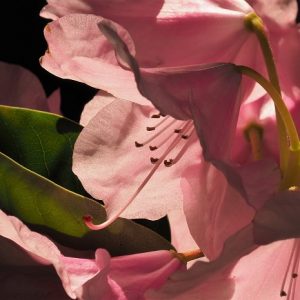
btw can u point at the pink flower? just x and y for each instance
(246, 270)
(199, 29)
(19, 87)
(101, 152)
(115, 143)
(105, 152)
(41, 271)
(85, 55)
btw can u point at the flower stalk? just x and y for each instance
(255, 24)
(291, 173)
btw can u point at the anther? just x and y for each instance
(150, 128)
(294, 275)
(152, 148)
(178, 130)
(153, 160)
(155, 116)
(283, 294)
(168, 162)
(138, 145)
(185, 136)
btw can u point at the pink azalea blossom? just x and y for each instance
(101, 152)
(181, 94)
(106, 152)
(199, 29)
(246, 270)
(43, 272)
(84, 55)
(19, 87)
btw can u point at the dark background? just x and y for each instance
(23, 43)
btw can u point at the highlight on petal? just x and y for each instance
(79, 52)
(157, 26)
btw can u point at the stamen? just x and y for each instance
(154, 160)
(152, 148)
(189, 129)
(161, 143)
(254, 134)
(159, 132)
(88, 219)
(168, 162)
(138, 145)
(156, 116)
(183, 149)
(150, 128)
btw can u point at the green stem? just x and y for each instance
(279, 103)
(255, 24)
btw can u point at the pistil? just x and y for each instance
(255, 24)
(254, 134)
(291, 173)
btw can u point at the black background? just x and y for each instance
(23, 43)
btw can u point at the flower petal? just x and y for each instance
(279, 218)
(78, 51)
(283, 12)
(105, 153)
(199, 28)
(99, 101)
(20, 87)
(214, 210)
(208, 280)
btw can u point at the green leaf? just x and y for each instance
(44, 204)
(42, 142)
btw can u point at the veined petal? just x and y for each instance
(105, 153)
(198, 27)
(78, 51)
(99, 101)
